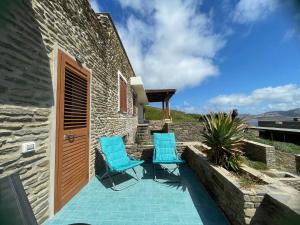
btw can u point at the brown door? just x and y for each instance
(72, 141)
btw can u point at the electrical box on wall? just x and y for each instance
(28, 147)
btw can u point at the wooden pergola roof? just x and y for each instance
(159, 95)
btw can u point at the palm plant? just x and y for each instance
(223, 134)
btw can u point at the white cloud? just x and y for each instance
(170, 43)
(187, 108)
(95, 6)
(247, 11)
(137, 5)
(291, 34)
(260, 100)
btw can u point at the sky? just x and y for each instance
(219, 55)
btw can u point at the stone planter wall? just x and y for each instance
(285, 161)
(238, 205)
(272, 211)
(267, 154)
(271, 204)
(260, 152)
(297, 161)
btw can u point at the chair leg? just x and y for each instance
(114, 186)
(137, 178)
(154, 173)
(169, 171)
(104, 175)
(113, 183)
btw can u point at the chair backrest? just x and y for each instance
(114, 151)
(14, 205)
(164, 146)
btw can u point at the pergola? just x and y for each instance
(163, 96)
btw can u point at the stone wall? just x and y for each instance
(239, 205)
(187, 131)
(297, 162)
(145, 152)
(272, 211)
(184, 131)
(155, 125)
(30, 30)
(285, 161)
(259, 152)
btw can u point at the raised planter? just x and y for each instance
(238, 204)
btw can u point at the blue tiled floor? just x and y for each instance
(146, 203)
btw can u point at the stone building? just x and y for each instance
(65, 80)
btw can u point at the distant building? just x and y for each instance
(290, 124)
(286, 131)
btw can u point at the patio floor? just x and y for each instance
(145, 203)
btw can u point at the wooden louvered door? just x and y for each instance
(72, 141)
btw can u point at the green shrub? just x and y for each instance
(223, 134)
(232, 163)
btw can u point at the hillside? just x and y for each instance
(153, 113)
(288, 113)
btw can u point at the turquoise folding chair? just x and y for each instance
(116, 158)
(165, 152)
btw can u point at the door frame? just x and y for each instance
(54, 58)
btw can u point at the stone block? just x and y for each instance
(248, 205)
(249, 212)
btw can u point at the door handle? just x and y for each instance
(69, 137)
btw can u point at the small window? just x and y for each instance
(134, 104)
(122, 94)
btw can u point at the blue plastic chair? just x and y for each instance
(165, 151)
(116, 158)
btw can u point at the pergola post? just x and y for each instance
(163, 109)
(167, 109)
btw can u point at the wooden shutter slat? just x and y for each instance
(71, 82)
(74, 110)
(72, 177)
(75, 75)
(76, 93)
(73, 116)
(71, 96)
(75, 106)
(75, 81)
